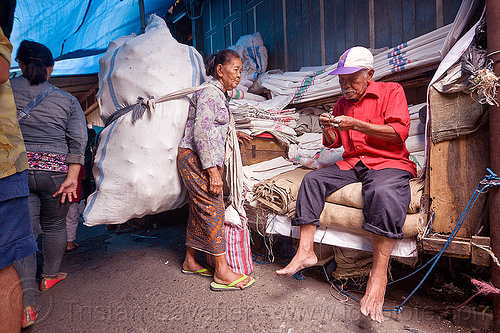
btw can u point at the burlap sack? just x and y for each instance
(280, 192)
(352, 219)
(350, 195)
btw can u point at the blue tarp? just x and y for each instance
(79, 31)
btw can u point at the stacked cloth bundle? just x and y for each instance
(343, 209)
(312, 83)
(254, 118)
(415, 143)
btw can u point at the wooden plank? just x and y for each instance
(439, 13)
(457, 248)
(382, 23)
(396, 23)
(304, 54)
(456, 167)
(361, 21)
(408, 29)
(331, 53)
(91, 108)
(450, 10)
(425, 16)
(314, 25)
(293, 34)
(278, 58)
(349, 25)
(340, 28)
(266, 18)
(478, 255)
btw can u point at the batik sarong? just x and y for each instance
(205, 226)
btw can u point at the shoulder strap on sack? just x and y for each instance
(142, 105)
(24, 113)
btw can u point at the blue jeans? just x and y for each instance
(48, 217)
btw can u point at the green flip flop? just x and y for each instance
(202, 272)
(226, 287)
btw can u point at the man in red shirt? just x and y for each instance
(371, 121)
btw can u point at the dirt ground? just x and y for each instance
(132, 282)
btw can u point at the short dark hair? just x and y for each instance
(36, 57)
(222, 57)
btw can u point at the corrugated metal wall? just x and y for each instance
(301, 33)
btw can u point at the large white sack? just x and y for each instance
(151, 64)
(135, 166)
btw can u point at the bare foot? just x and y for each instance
(300, 261)
(373, 301)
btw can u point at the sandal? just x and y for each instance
(29, 316)
(73, 249)
(226, 287)
(203, 272)
(48, 283)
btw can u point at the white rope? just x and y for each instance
(151, 102)
(488, 249)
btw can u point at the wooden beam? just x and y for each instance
(285, 36)
(439, 14)
(371, 23)
(458, 248)
(90, 91)
(479, 255)
(91, 108)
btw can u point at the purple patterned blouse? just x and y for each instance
(207, 125)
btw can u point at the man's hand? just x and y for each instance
(326, 123)
(215, 181)
(345, 123)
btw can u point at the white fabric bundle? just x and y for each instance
(135, 166)
(314, 83)
(253, 117)
(253, 54)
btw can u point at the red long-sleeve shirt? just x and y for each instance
(383, 104)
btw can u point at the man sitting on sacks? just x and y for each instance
(371, 121)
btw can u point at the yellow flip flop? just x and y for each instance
(202, 272)
(226, 287)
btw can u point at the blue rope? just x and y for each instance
(488, 181)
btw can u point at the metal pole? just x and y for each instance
(143, 16)
(493, 39)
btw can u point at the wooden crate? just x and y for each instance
(261, 149)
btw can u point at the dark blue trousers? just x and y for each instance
(386, 195)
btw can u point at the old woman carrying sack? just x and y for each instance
(200, 161)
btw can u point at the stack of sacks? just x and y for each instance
(343, 209)
(258, 172)
(312, 83)
(254, 118)
(240, 94)
(309, 120)
(308, 146)
(416, 136)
